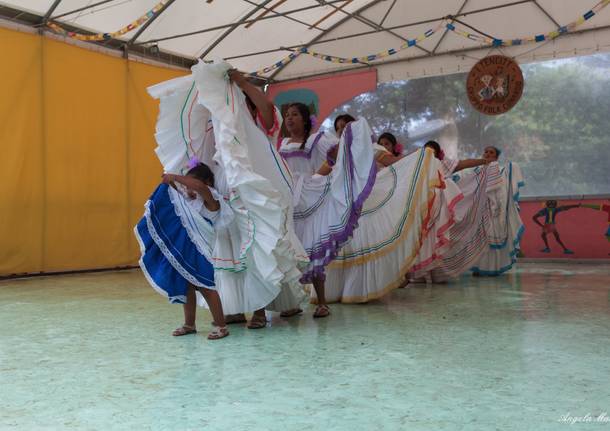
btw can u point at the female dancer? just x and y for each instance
(341, 121)
(453, 165)
(389, 142)
(327, 204)
(406, 215)
(506, 227)
(268, 119)
(383, 156)
(257, 257)
(468, 237)
(303, 150)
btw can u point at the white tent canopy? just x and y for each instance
(254, 34)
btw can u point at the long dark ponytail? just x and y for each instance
(306, 115)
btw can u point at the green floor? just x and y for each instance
(519, 352)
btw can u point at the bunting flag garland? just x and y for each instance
(283, 62)
(449, 26)
(366, 59)
(105, 36)
(377, 56)
(532, 39)
(354, 60)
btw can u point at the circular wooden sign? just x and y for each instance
(494, 85)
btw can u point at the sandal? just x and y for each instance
(218, 332)
(257, 322)
(184, 330)
(291, 312)
(321, 311)
(235, 318)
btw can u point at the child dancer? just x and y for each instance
(171, 261)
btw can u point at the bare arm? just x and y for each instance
(196, 185)
(325, 169)
(388, 159)
(263, 105)
(469, 163)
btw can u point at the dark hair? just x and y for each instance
(250, 103)
(435, 146)
(306, 115)
(345, 117)
(392, 139)
(496, 149)
(203, 173)
(551, 202)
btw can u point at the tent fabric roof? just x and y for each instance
(253, 34)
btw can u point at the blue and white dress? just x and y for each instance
(176, 237)
(506, 227)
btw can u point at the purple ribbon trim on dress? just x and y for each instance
(328, 249)
(302, 153)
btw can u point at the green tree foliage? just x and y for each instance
(559, 132)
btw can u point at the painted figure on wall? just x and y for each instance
(550, 212)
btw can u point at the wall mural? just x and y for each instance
(566, 228)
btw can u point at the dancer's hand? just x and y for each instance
(168, 178)
(236, 76)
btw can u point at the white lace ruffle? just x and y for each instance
(200, 231)
(168, 255)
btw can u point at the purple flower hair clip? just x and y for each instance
(314, 122)
(193, 161)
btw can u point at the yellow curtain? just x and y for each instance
(21, 143)
(77, 129)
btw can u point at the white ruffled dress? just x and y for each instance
(468, 237)
(327, 208)
(404, 221)
(307, 160)
(257, 258)
(505, 227)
